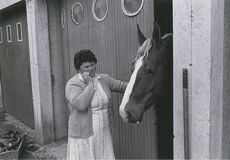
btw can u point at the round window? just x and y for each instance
(131, 7)
(99, 9)
(77, 13)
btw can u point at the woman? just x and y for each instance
(88, 96)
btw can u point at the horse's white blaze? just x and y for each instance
(129, 88)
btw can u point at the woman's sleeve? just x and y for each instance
(79, 98)
(116, 85)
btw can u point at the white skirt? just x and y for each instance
(98, 146)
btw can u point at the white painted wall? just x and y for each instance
(200, 82)
(182, 59)
(217, 86)
(199, 31)
(39, 47)
(7, 3)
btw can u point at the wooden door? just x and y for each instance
(15, 66)
(114, 42)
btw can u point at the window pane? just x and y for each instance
(9, 35)
(131, 7)
(77, 13)
(19, 31)
(99, 9)
(1, 37)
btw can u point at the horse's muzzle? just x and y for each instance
(130, 119)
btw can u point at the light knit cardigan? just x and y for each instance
(79, 95)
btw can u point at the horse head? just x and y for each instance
(151, 76)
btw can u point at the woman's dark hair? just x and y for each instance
(82, 56)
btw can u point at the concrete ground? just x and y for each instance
(56, 150)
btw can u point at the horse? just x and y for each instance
(151, 84)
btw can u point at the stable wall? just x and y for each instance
(39, 49)
(57, 71)
(14, 61)
(201, 44)
(216, 78)
(226, 83)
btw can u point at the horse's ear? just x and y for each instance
(156, 35)
(141, 37)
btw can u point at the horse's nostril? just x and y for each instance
(128, 114)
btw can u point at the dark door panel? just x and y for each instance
(15, 68)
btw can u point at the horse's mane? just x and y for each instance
(143, 50)
(166, 35)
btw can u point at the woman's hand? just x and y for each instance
(87, 78)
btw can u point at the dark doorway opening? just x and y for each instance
(163, 15)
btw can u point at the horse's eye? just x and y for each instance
(151, 69)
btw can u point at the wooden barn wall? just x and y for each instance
(15, 69)
(114, 42)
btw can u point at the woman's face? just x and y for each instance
(89, 67)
